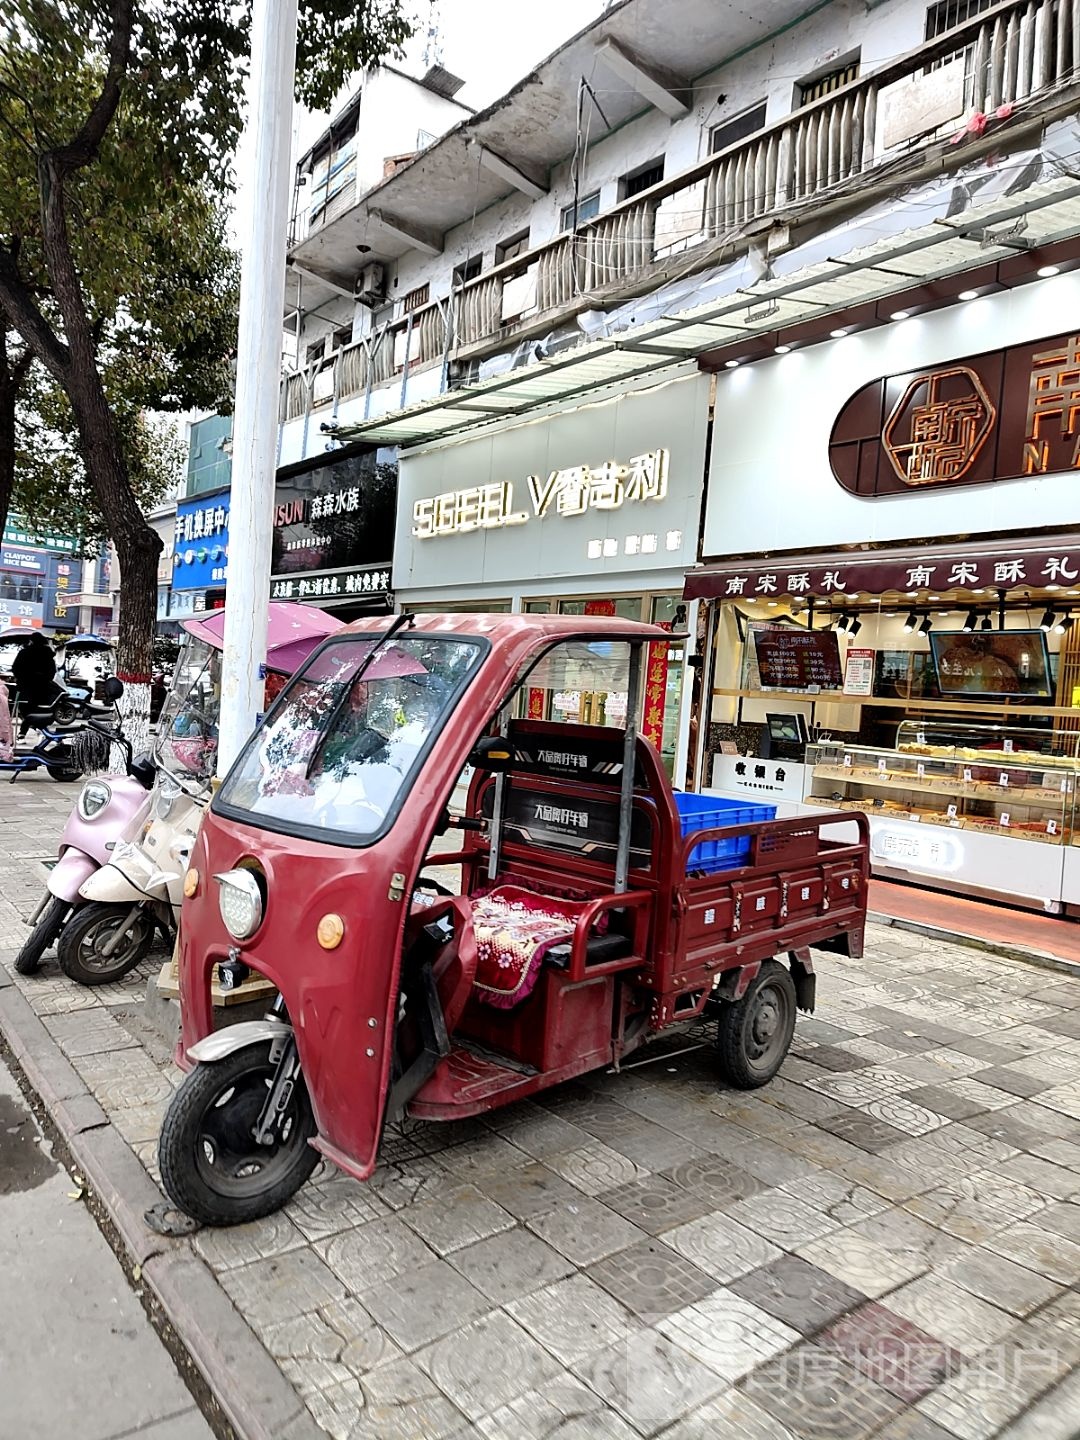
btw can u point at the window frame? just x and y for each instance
(641, 178)
(820, 85)
(735, 122)
(567, 216)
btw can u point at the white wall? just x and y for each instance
(771, 488)
(393, 110)
(770, 71)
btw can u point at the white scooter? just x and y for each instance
(140, 890)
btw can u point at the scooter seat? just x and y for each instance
(598, 950)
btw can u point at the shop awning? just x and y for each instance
(1044, 562)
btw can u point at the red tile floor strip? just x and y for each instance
(993, 924)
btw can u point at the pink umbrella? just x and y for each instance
(295, 630)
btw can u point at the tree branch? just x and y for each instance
(82, 148)
(23, 314)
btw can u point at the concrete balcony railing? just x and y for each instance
(1014, 52)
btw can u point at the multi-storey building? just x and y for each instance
(706, 306)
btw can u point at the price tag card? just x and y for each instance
(920, 770)
(920, 737)
(1064, 787)
(847, 762)
(1007, 746)
(1003, 779)
(882, 764)
(1051, 827)
(1003, 819)
(950, 813)
(967, 777)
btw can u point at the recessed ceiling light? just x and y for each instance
(969, 295)
(1045, 271)
(1051, 587)
(783, 349)
(838, 334)
(900, 315)
(730, 364)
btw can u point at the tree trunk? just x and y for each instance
(137, 546)
(12, 373)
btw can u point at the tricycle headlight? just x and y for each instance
(166, 798)
(93, 798)
(240, 902)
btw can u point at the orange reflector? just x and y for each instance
(331, 932)
(191, 883)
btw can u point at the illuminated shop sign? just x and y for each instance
(1006, 414)
(574, 491)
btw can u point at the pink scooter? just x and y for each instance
(101, 815)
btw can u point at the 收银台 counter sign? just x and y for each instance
(574, 491)
(1006, 414)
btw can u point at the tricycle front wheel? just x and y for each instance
(211, 1165)
(754, 1033)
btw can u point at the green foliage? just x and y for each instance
(52, 489)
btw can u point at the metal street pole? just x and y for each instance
(268, 135)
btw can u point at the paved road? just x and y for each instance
(78, 1357)
(884, 1242)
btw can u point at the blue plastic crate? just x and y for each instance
(706, 812)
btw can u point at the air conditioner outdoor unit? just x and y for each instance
(371, 285)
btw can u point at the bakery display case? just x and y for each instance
(984, 808)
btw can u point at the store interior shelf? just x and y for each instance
(944, 787)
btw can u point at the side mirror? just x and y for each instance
(112, 689)
(492, 752)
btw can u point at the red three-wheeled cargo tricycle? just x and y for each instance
(587, 920)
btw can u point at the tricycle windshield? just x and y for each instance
(188, 725)
(338, 754)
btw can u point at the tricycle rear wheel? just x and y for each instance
(211, 1165)
(754, 1033)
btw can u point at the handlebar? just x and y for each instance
(465, 822)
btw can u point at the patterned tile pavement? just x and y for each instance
(883, 1243)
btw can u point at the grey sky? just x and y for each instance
(492, 43)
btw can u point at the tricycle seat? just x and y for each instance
(599, 950)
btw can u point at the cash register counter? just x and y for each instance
(782, 783)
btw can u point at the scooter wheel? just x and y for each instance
(42, 936)
(211, 1166)
(65, 774)
(90, 930)
(65, 713)
(754, 1033)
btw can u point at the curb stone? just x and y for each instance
(1039, 958)
(254, 1395)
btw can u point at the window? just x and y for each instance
(333, 169)
(511, 248)
(948, 14)
(315, 351)
(468, 270)
(340, 751)
(416, 299)
(342, 337)
(722, 137)
(587, 207)
(821, 85)
(643, 178)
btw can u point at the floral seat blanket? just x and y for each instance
(515, 928)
